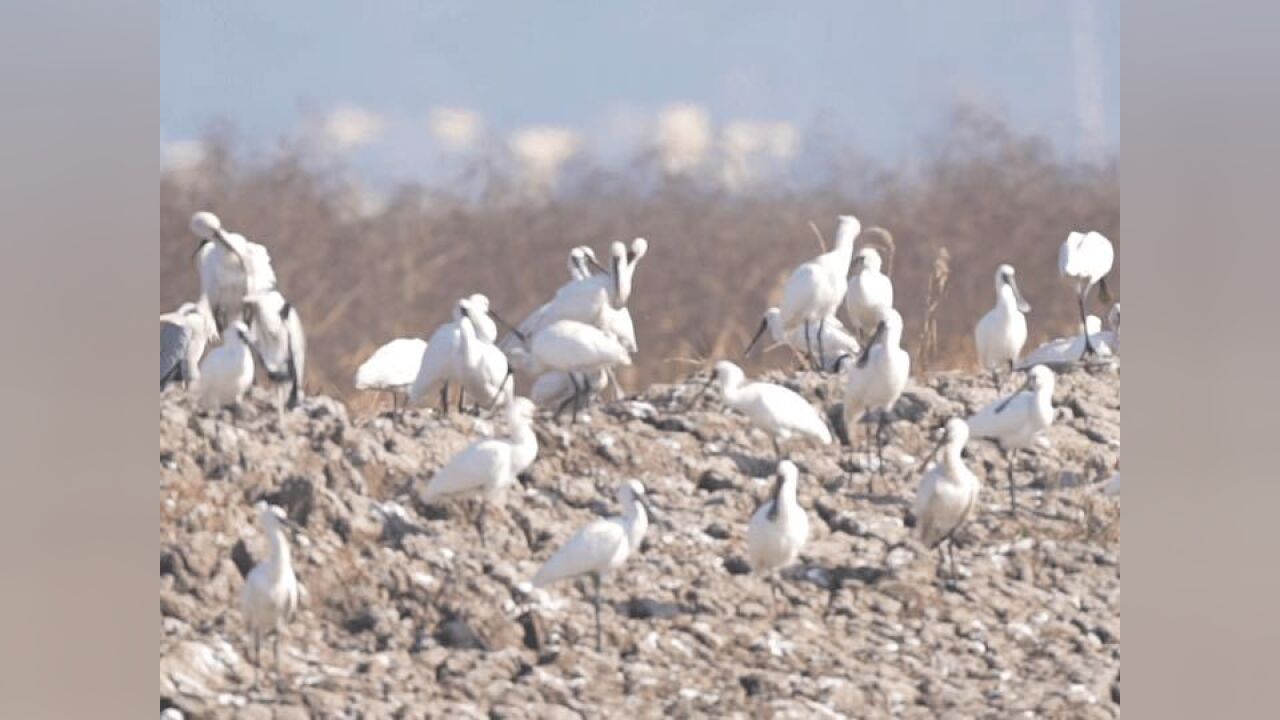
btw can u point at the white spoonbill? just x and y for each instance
(1014, 422)
(442, 360)
(585, 300)
(578, 349)
(486, 468)
(227, 370)
(184, 333)
(275, 331)
(833, 336)
(552, 388)
(869, 292)
(948, 493)
(482, 367)
(230, 267)
(1067, 350)
(601, 547)
(1085, 259)
(815, 289)
(392, 367)
(779, 528)
(1001, 333)
(877, 378)
(778, 411)
(269, 598)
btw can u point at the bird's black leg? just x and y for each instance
(951, 560)
(276, 652)
(808, 346)
(462, 393)
(599, 640)
(564, 405)
(822, 358)
(881, 427)
(1013, 497)
(479, 521)
(1084, 325)
(444, 399)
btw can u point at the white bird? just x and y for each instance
(833, 336)
(585, 300)
(779, 528)
(230, 267)
(815, 289)
(600, 547)
(392, 367)
(269, 598)
(578, 349)
(1001, 333)
(555, 388)
(778, 411)
(482, 368)
(877, 378)
(486, 468)
(869, 292)
(442, 361)
(1014, 422)
(948, 493)
(184, 333)
(227, 370)
(1085, 259)
(1066, 350)
(276, 337)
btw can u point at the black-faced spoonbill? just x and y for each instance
(947, 495)
(269, 598)
(1014, 422)
(442, 360)
(578, 349)
(1066, 351)
(227, 370)
(778, 529)
(833, 336)
(876, 379)
(184, 333)
(778, 411)
(230, 267)
(1001, 333)
(600, 547)
(1085, 259)
(275, 332)
(392, 367)
(486, 468)
(482, 368)
(869, 292)
(816, 288)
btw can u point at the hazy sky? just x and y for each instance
(396, 85)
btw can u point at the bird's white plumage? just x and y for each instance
(602, 545)
(184, 334)
(774, 409)
(393, 366)
(879, 383)
(486, 467)
(569, 345)
(276, 331)
(1028, 413)
(553, 388)
(585, 300)
(835, 340)
(1069, 349)
(1085, 257)
(230, 267)
(481, 367)
(270, 594)
(948, 492)
(869, 292)
(814, 289)
(776, 542)
(1002, 331)
(227, 370)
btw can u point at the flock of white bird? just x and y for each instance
(569, 348)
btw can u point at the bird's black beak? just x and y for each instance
(1026, 385)
(498, 319)
(875, 338)
(764, 325)
(1023, 305)
(617, 277)
(199, 246)
(842, 357)
(595, 264)
(701, 392)
(934, 453)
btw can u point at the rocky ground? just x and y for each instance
(406, 615)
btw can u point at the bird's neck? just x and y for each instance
(952, 459)
(523, 439)
(729, 389)
(636, 521)
(785, 501)
(1006, 300)
(279, 555)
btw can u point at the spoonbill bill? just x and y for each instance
(578, 349)
(276, 334)
(184, 333)
(1014, 422)
(269, 598)
(815, 288)
(486, 468)
(227, 370)
(392, 367)
(601, 547)
(877, 378)
(585, 300)
(1085, 259)
(779, 528)
(832, 331)
(1001, 333)
(869, 292)
(947, 495)
(230, 267)
(778, 411)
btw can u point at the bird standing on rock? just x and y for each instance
(778, 529)
(1001, 333)
(869, 292)
(1014, 422)
(779, 412)
(816, 288)
(1085, 259)
(600, 547)
(876, 379)
(227, 370)
(270, 595)
(947, 495)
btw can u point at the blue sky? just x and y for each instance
(364, 79)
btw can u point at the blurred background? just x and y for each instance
(394, 157)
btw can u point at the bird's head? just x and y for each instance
(1005, 275)
(205, 225)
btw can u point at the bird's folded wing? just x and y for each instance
(589, 549)
(469, 469)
